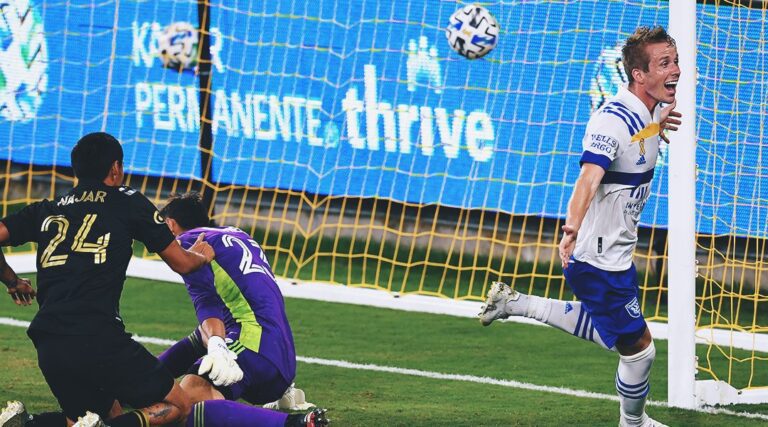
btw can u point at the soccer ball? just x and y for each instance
(177, 45)
(473, 31)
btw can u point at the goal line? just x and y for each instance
(158, 270)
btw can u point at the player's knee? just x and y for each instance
(651, 351)
(199, 389)
(192, 382)
(181, 401)
(635, 342)
(645, 357)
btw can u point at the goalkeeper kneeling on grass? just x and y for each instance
(243, 348)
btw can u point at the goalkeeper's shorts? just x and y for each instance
(610, 297)
(90, 372)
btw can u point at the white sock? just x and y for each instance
(632, 384)
(567, 316)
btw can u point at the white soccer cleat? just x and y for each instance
(89, 420)
(495, 303)
(13, 415)
(293, 400)
(646, 422)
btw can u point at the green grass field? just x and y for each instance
(365, 335)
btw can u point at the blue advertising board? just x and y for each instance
(361, 99)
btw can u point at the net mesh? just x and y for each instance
(731, 202)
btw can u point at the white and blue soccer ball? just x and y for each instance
(177, 46)
(472, 32)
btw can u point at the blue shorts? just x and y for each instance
(262, 382)
(610, 297)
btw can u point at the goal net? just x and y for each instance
(358, 149)
(732, 203)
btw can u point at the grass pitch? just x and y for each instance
(366, 335)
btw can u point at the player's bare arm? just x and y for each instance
(583, 193)
(212, 327)
(185, 261)
(19, 289)
(220, 363)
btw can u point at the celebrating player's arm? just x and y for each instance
(19, 289)
(600, 148)
(583, 192)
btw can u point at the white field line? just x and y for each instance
(441, 376)
(158, 270)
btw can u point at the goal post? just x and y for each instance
(687, 213)
(682, 212)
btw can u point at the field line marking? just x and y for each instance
(317, 291)
(441, 376)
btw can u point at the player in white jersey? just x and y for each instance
(600, 231)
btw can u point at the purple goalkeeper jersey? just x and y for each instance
(239, 288)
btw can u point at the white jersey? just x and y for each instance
(622, 138)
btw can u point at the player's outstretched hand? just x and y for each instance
(22, 292)
(567, 244)
(670, 120)
(203, 248)
(220, 363)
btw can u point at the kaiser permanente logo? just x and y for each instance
(23, 60)
(371, 123)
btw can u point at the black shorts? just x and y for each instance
(88, 373)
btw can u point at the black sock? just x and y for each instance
(47, 419)
(129, 419)
(296, 420)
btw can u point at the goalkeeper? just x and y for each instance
(243, 347)
(600, 232)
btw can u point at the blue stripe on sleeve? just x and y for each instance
(627, 178)
(626, 117)
(594, 158)
(630, 129)
(626, 109)
(631, 115)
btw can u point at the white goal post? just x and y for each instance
(682, 210)
(684, 390)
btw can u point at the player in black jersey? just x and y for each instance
(84, 243)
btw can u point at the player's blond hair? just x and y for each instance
(634, 55)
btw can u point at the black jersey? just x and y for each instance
(84, 245)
